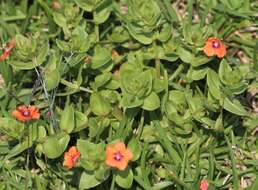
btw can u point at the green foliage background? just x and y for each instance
(134, 70)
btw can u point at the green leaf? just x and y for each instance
(100, 58)
(51, 147)
(141, 37)
(214, 84)
(162, 185)
(35, 62)
(233, 107)
(67, 119)
(81, 121)
(185, 55)
(130, 101)
(196, 73)
(59, 19)
(102, 79)
(200, 60)
(62, 45)
(151, 102)
(102, 15)
(87, 5)
(18, 149)
(88, 180)
(54, 146)
(135, 146)
(92, 155)
(79, 41)
(102, 172)
(52, 79)
(165, 33)
(124, 178)
(99, 105)
(224, 70)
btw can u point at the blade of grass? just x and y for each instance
(255, 59)
(182, 171)
(171, 11)
(211, 166)
(142, 183)
(145, 172)
(172, 152)
(177, 179)
(190, 11)
(233, 161)
(197, 163)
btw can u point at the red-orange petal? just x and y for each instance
(208, 50)
(112, 150)
(68, 162)
(122, 164)
(128, 154)
(4, 56)
(221, 52)
(204, 184)
(73, 151)
(110, 161)
(18, 115)
(119, 146)
(71, 157)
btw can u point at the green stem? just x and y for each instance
(96, 28)
(157, 66)
(97, 32)
(179, 181)
(85, 89)
(28, 157)
(164, 140)
(113, 183)
(233, 161)
(243, 41)
(74, 86)
(140, 128)
(157, 61)
(176, 73)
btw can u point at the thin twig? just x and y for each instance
(51, 103)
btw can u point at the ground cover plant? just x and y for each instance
(128, 94)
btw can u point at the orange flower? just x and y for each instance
(24, 113)
(7, 50)
(214, 46)
(204, 184)
(118, 155)
(71, 157)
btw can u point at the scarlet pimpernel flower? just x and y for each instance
(204, 184)
(71, 157)
(26, 113)
(7, 50)
(118, 155)
(214, 46)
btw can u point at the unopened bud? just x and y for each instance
(124, 9)
(2, 82)
(88, 60)
(114, 54)
(56, 4)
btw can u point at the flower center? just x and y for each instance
(118, 156)
(74, 158)
(25, 113)
(215, 44)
